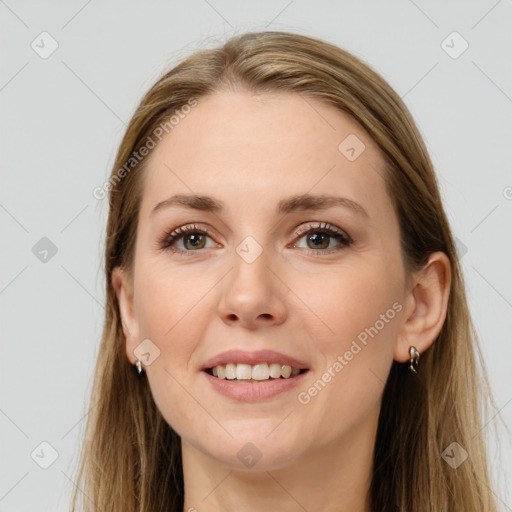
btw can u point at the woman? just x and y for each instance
(286, 324)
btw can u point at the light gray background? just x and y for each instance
(63, 117)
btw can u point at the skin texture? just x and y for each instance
(250, 151)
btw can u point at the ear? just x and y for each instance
(123, 287)
(425, 307)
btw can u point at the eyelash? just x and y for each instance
(166, 242)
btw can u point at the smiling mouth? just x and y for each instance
(233, 377)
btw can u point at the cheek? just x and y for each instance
(168, 299)
(351, 303)
(173, 313)
(356, 351)
(359, 309)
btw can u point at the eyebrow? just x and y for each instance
(288, 205)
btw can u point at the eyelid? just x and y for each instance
(322, 226)
(170, 237)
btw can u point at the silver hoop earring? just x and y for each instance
(415, 359)
(140, 371)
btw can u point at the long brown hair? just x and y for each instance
(131, 458)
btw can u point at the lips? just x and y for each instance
(253, 391)
(253, 358)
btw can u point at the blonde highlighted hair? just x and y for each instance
(131, 458)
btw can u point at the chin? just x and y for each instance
(256, 452)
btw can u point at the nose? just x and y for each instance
(252, 295)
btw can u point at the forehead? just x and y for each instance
(243, 148)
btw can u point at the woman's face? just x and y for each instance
(266, 276)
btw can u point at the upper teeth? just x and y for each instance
(257, 372)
